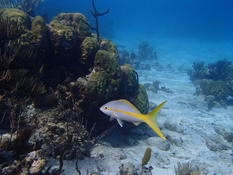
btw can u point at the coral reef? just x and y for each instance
(155, 87)
(131, 169)
(141, 100)
(32, 163)
(67, 31)
(214, 81)
(139, 59)
(58, 129)
(28, 6)
(146, 52)
(186, 169)
(129, 81)
(53, 79)
(22, 53)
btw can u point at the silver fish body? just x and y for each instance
(121, 105)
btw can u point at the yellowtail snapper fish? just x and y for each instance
(123, 110)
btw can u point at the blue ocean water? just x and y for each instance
(194, 29)
(209, 19)
(181, 31)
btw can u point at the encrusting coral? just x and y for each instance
(130, 81)
(22, 52)
(53, 79)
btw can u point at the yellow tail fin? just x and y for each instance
(152, 120)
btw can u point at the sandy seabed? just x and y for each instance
(194, 131)
(185, 118)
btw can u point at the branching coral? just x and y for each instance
(221, 70)
(96, 14)
(199, 71)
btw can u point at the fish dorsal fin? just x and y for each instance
(120, 122)
(130, 104)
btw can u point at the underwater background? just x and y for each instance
(58, 66)
(206, 26)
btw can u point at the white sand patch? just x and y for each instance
(194, 127)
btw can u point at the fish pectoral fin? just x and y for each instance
(136, 123)
(113, 115)
(120, 122)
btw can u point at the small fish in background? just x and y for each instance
(123, 110)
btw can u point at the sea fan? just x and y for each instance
(9, 3)
(29, 6)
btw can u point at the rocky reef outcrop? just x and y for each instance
(53, 79)
(214, 81)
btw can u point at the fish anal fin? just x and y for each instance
(120, 122)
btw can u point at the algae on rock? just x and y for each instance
(64, 67)
(130, 84)
(141, 100)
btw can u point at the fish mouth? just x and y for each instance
(102, 109)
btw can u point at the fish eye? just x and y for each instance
(105, 107)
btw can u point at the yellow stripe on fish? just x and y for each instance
(139, 116)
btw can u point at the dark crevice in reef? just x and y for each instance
(53, 79)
